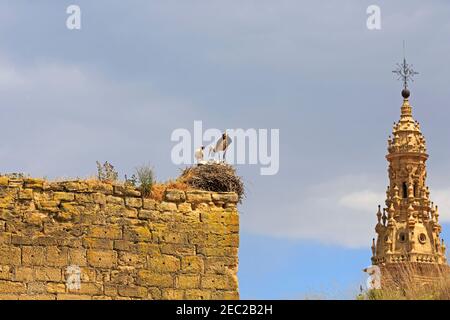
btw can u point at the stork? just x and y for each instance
(199, 156)
(374, 280)
(221, 145)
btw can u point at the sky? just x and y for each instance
(116, 89)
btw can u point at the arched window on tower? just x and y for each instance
(415, 190)
(405, 190)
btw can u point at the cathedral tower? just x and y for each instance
(408, 229)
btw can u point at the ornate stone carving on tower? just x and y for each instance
(408, 228)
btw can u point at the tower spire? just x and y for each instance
(413, 227)
(405, 73)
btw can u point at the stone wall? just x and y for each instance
(120, 245)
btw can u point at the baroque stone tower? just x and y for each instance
(408, 229)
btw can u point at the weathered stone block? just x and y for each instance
(218, 251)
(5, 238)
(57, 257)
(21, 240)
(114, 200)
(172, 294)
(123, 245)
(221, 265)
(107, 232)
(64, 196)
(50, 205)
(120, 211)
(33, 256)
(167, 206)
(48, 274)
(4, 181)
(102, 259)
(110, 290)
(6, 202)
(149, 204)
(36, 218)
(173, 195)
(132, 259)
(12, 287)
(229, 197)
(225, 295)
(198, 196)
(150, 278)
(87, 274)
(6, 273)
(33, 183)
(137, 233)
(132, 291)
(226, 218)
(96, 243)
(104, 188)
(36, 288)
(26, 194)
(123, 276)
(44, 241)
(163, 263)
(69, 210)
(218, 228)
(154, 293)
(84, 198)
(88, 288)
(103, 276)
(178, 249)
(76, 186)
(219, 282)
(202, 238)
(52, 186)
(197, 294)
(192, 264)
(171, 237)
(147, 214)
(53, 287)
(99, 198)
(24, 274)
(77, 257)
(133, 202)
(184, 281)
(185, 207)
(7, 296)
(126, 191)
(151, 249)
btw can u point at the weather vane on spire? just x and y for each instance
(405, 71)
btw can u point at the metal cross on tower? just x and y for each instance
(405, 71)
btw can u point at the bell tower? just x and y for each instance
(408, 229)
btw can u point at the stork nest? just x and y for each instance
(216, 177)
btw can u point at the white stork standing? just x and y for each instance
(221, 145)
(199, 156)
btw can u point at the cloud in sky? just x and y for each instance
(360, 200)
(441, 197)
(339, 212)
(9, 77)
(66, 115)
